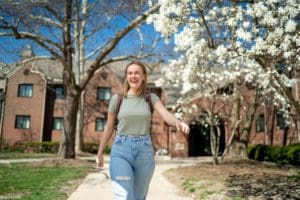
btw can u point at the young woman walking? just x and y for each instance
(132, 157)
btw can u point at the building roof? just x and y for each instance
(52, 70)
(5, 69)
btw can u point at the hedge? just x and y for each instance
(91, 147)
(282, 155)
(48, 147)
(31, 147)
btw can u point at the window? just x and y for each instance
(58, 123)
(22, 122)
(100, 124)
(260, 123)
(25, 90)
(59, 92)
(103, 93)
(281, 124)
(2, 95)
(226, 90)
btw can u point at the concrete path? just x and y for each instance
(22, 160)
(96, 186)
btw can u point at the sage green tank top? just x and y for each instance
(134, 114)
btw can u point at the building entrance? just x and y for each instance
(199, 141)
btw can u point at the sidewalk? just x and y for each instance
(96, 186)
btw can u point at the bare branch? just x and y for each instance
(141, 38)
(111, 45)
(122, 58)
(94, 52)
(46, 20)
(39, 40)
(51, 10)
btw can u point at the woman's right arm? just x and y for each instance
(108, 131)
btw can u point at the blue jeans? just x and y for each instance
(131, 166)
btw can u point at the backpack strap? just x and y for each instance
(148, 100)
(119, 102)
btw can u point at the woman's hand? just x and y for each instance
(100, 160)
(183, 127)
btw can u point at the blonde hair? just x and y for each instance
(142, 89)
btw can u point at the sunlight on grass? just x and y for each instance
(17, 155)
(37, 182)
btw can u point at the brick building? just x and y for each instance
(34, 107)
(274, 132)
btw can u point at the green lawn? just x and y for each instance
(32, 182)
(17, 155)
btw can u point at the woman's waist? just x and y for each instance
(135, 137)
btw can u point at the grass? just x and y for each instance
(237, 198)
(17, 155)
(30, 183)
(205, 194)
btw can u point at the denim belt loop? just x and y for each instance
(123, 138)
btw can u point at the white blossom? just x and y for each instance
(241, 35)
(290, 26)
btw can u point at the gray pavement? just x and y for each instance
(96, 186)
(22, 160)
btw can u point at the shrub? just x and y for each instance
(260, 152)
(92, 147)
(274, 154)
(293, 154)
(41, 147)
(107, 150)
(251, 151)
(17, 147)
(31, 147)
(282, 155)
(49, 147)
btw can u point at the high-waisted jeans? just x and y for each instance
(131, 166)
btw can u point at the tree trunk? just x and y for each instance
(240, 143)
(267, 118)
(67, 146)
(298, 127)
(79, 28)
(79, 126)
(213, 145)
(231, 147)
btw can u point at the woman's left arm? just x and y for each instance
(170, 118)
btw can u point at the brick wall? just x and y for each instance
(94, 108)
(32, 106)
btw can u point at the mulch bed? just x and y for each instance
(238, 179)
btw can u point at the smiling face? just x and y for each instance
(135, 77)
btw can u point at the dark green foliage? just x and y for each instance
(282, 155)
(93, 148)
(32, 147)
(42, 147)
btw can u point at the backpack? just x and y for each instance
(119, 102)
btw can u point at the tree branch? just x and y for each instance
(111, 44)
(39, 40)
(51, 10)
(46, 20)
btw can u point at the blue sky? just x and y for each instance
(10, 48)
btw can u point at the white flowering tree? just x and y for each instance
(257, 41)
